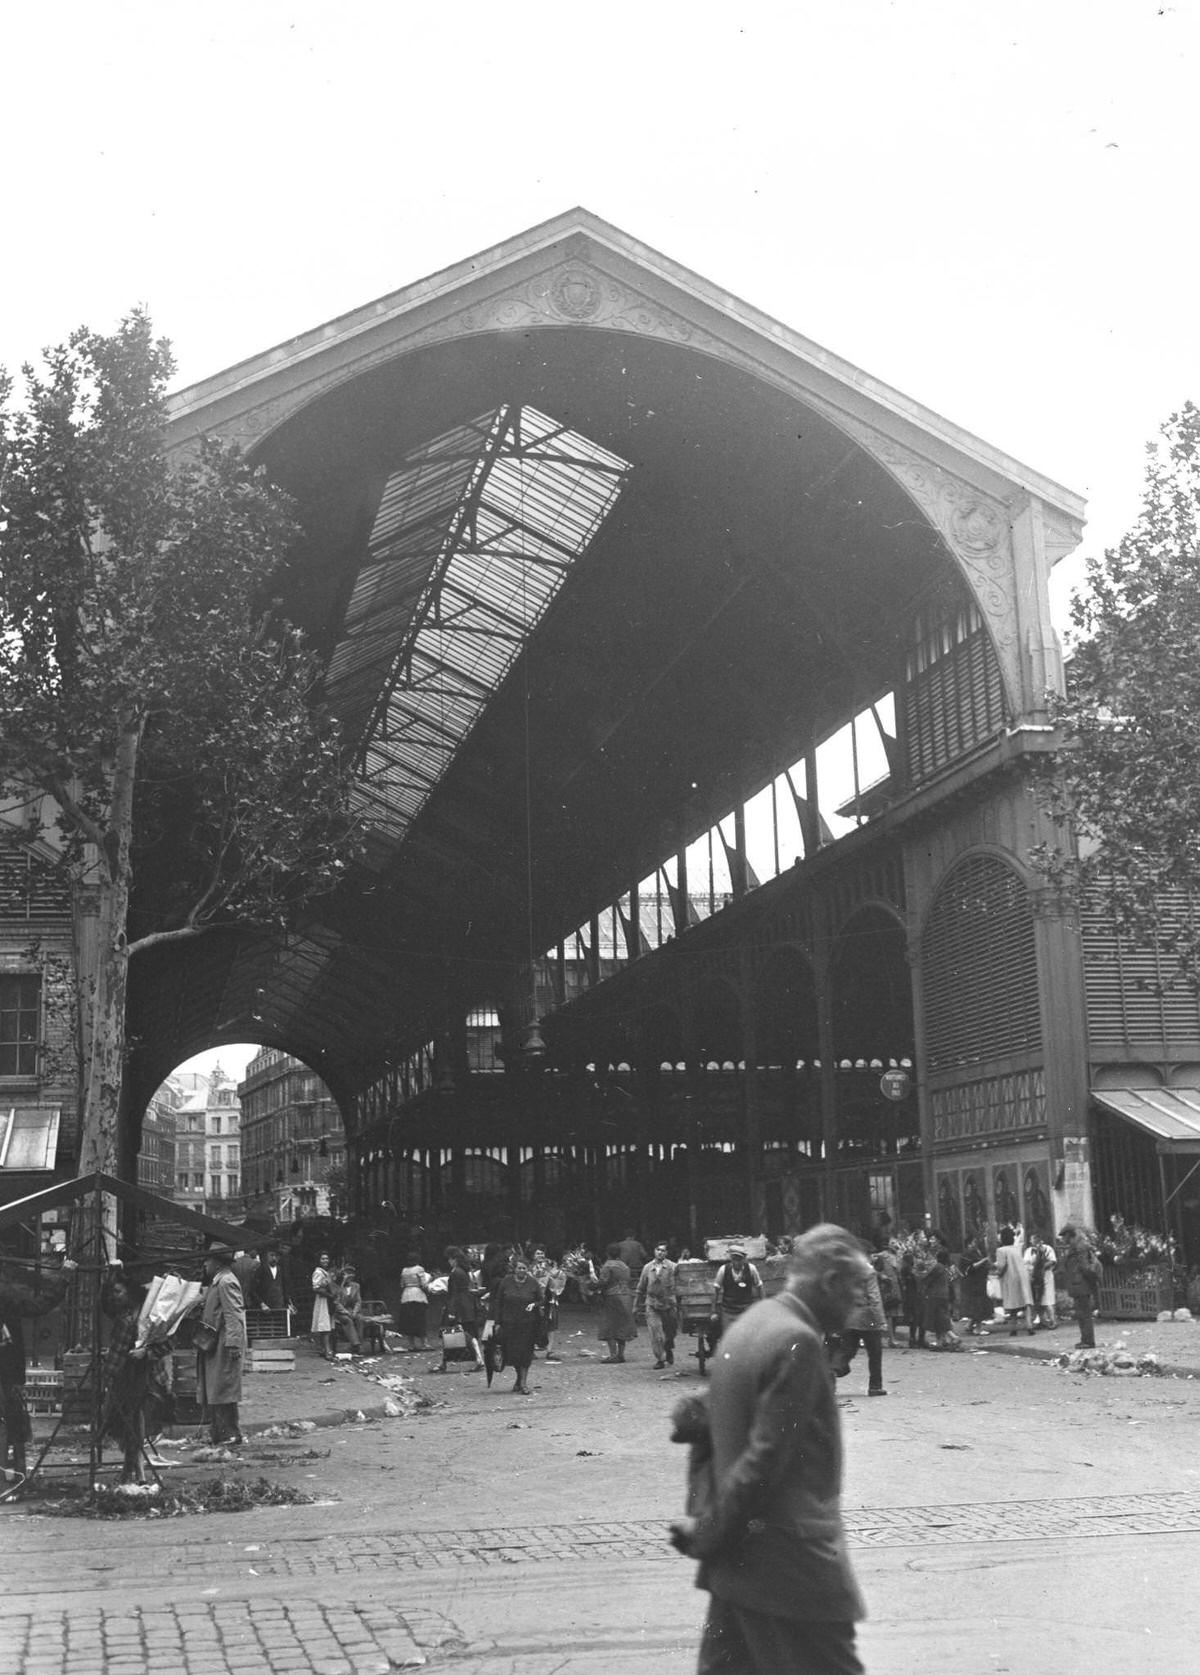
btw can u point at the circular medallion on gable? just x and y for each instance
(575, 294)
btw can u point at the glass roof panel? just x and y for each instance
(474, 534)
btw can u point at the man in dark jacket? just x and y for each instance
(1081, 1271)
(770, 1542)
(19, 1301)
(271, 1291)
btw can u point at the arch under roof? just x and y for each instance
(592, 550)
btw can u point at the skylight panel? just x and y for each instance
(473, 537)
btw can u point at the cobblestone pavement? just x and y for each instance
(1078, 1518)
(241, 1636)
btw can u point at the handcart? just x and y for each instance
(695, 1282)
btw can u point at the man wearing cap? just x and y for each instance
(219, 1366)
(735, 1287)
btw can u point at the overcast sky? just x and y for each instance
(989, 206)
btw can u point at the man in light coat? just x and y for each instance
(219, 1367)
(656, 1295)
(770, 1540)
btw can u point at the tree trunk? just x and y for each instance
(102, 991)
(104, 1070)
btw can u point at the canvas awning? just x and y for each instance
(1170, 1115)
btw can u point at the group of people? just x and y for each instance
(925, 1288)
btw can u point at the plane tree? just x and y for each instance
(161, 716)
(1127, 781)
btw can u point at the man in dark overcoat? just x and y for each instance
(770, 1540)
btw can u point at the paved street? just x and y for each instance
(1005, 1514)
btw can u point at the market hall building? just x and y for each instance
(696, 683)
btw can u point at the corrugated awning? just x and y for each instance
(1171, 1115)
(28, 1138)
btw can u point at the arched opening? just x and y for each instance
(250, 1135)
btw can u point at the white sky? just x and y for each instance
(989, 206)
(233, 1060)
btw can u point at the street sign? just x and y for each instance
(895, 1084)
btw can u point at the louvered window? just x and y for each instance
(979, 967)
(30, 888)
(1134, 995)
(953, 695)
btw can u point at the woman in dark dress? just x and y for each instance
(461, 1303)
(616, 1326)
(977, 1305)
(516, 1303)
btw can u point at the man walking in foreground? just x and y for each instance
(770, 1540)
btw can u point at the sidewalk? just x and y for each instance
(1174, 1344)
(324, 1393)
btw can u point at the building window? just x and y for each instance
(183, 1183)
(20, 1019)
(214, 1186)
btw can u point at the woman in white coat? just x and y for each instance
(323, 1288)
(1016, 1293)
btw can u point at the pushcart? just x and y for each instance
(695, 1280)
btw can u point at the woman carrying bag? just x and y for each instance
(462, 1310)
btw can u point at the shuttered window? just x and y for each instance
(979, 967)
(1134, 995)
(953, 695)
(31, 888)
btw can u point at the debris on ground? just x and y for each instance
(1111, 1363)
(153, 1500)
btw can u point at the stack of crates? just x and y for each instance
(43, 1390)
(77, 1387)
(187, 1408)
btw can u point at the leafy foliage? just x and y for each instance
(136, 613)
(1127, 782)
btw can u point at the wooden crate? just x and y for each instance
(1134, 1295)
(265, 1360)
(265, 1325)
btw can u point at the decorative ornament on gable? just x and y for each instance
(575, 294)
